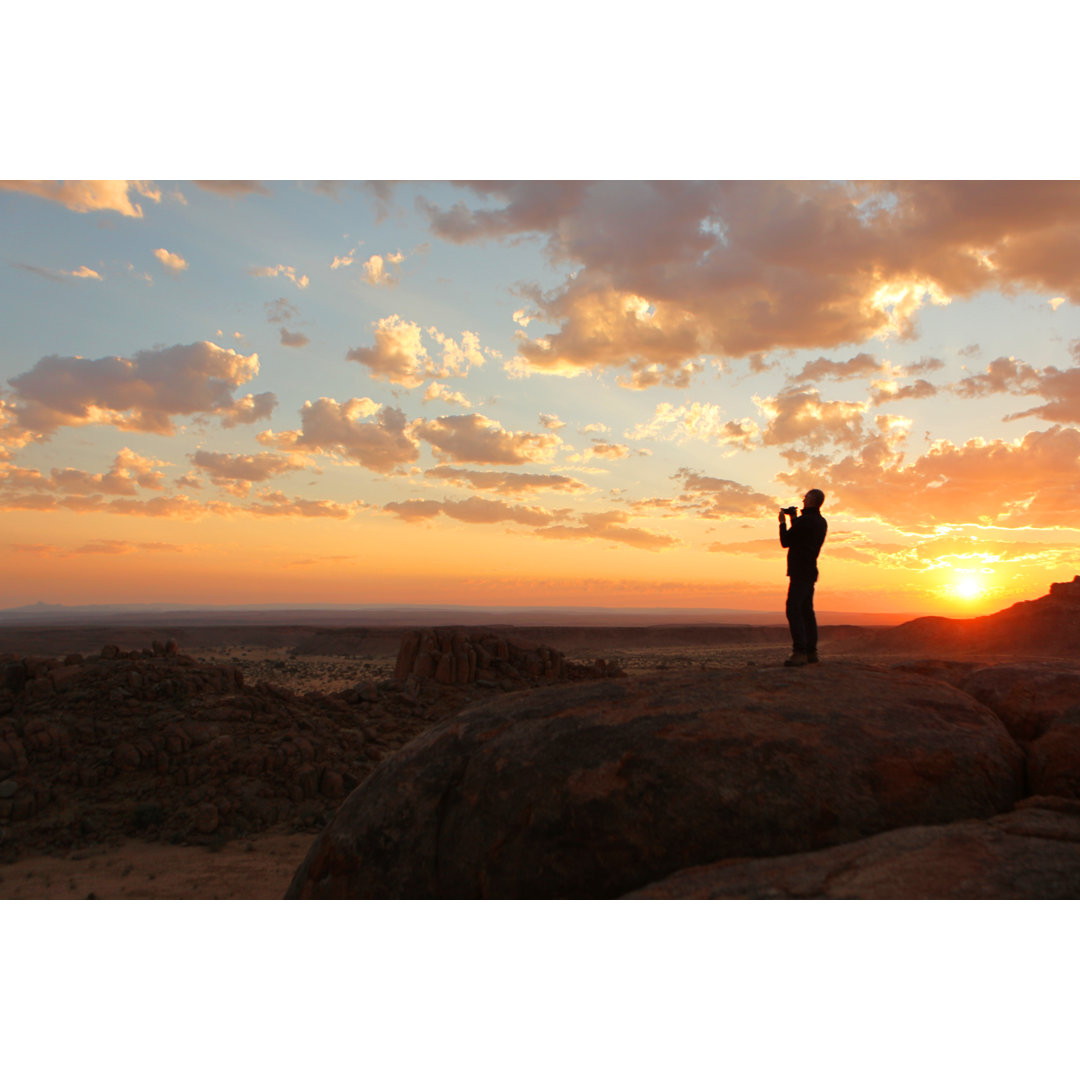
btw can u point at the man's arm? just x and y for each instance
(785, 538)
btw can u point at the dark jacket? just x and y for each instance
(803, 541)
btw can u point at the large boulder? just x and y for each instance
(595, 789)
(1029, 698)
(1031, 853)
(1039, 704)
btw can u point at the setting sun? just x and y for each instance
(967, 587)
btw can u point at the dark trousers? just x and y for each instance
(800, 615)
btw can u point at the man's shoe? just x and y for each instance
(797, 659)
(812, 657)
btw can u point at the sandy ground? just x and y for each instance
(256, 869)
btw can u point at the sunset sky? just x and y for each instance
(537, 393)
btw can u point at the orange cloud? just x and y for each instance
(178, 506)
(713, 497)
(170, 260)
(798, 415)
(475, 510)
(506, 482)
(1028, 482)
(343, 260)
(277, 504)
(84, 273)
(174, 506)
(95, 547)
(665, 273)
(439, 392)
(142, 393)
(236, 473)
(129, 471)
(698, 420)
(233, 189)
(375, 272)
(601, 449)
(382, 444)
(609, 526)
(248, 410)
(823, 368)
(85, 196)
(474, 439)
(400, 356)
(294, 340)
(886, 390)
(301, 281)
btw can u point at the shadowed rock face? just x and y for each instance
(1032, 853)
(1030, 699)
(598, 789)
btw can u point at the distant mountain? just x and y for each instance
(1048, 626)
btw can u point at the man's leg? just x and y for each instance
(796, 617)
(809, 620)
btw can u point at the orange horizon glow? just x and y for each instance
(223, 562)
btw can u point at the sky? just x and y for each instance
(537, 392)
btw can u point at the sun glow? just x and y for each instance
(967, 587)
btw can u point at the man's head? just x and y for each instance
(813, 499)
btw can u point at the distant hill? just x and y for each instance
(1048, 626)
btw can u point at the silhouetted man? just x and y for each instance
(803, 541)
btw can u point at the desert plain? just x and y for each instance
(204, 761)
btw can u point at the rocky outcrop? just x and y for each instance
(454, 655)
(597, 789)
(1031, 853)
(152, 743)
